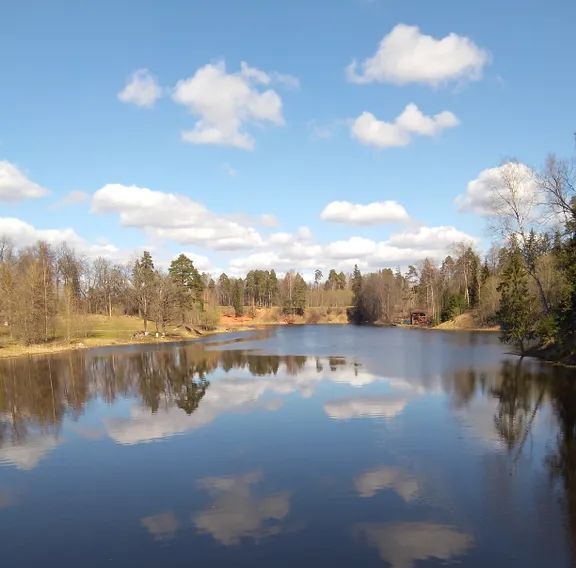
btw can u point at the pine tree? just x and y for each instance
(358, 314)
(516, 313)
(143, 280)
(238, 297)
(189, 284)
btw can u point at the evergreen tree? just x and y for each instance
(515, 314)
(272, 288)
(238, 297)
(358, 314)
(143, 280)
(224, 290)
(567, 261)
(188, 282)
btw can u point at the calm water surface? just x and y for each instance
(296, 446)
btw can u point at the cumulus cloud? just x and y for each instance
(402, 544)
(141, 89)
(371, 131)
(431, 238)
(406, 55)
(488, 193)
(15, 186)
(173, 216)
(354, 247)
(370, 214)
(22, 234)
(227, 103)
(284, 251)
(25, 234)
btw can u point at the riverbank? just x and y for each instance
(467, 321)
(102, 331)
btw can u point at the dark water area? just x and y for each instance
(293, 446)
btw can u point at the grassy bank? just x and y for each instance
(467, 321)
(100, 330)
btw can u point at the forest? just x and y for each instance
(525, 283)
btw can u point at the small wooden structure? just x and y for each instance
(419, 317)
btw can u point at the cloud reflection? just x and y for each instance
(162, 526)
(366, 407)
(237, 512)
(373, 481)
(28, 453)
(248, 393)
(402, 544)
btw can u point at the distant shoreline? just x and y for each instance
(57, 347)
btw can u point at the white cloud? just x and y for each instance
(354, 247)
(141, 89)
(226, 103)
(484, 195)
(371, 131)
(173, 216)
(431, 238)
(284, 251)
(406, 55)
(402, 544)
(15, 186)
(201, 262)
(23, 234)
(370, 214)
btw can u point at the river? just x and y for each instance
(292, 446)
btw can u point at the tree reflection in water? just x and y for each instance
(37, 394)
(520, 389)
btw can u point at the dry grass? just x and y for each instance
(465, 322)
(100, 330)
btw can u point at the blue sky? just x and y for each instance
(504, 80)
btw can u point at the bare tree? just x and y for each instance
(558, 183)
(517, 210)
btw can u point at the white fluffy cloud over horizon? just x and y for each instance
(371, 131)
(486, 193)
(141, 89)
(15, 186)
(284, 251)
(227, 103)
(405, 55)
(23, 234)
(174, 217)
(378, 212)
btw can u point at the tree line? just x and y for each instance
(526, 282)
(48, 291)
